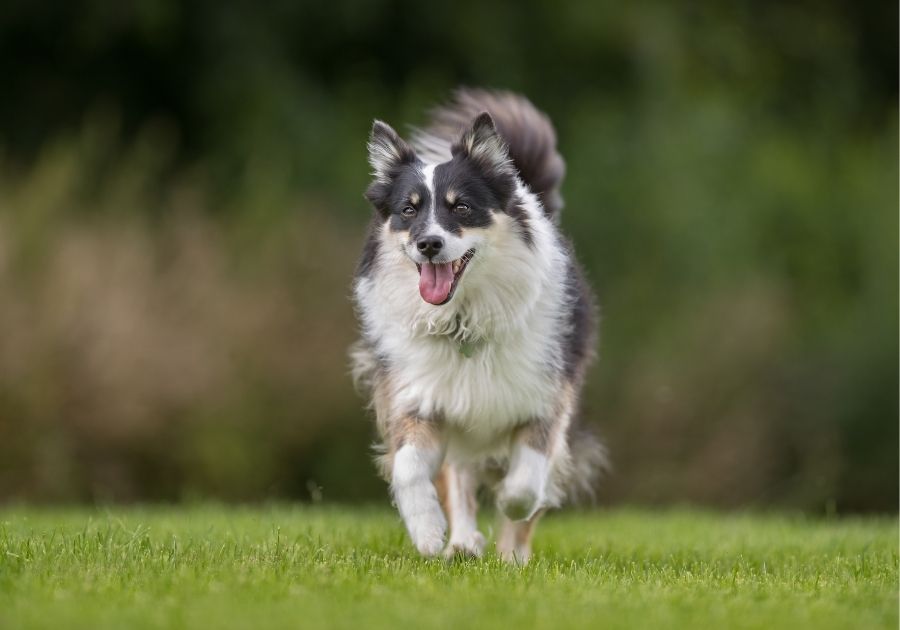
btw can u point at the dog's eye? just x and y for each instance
(461, 208)
(408, 212)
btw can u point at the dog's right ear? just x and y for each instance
(387, 152)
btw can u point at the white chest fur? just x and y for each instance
(504, 382)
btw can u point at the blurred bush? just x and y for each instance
(180, 213)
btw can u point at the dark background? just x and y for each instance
(181, 210)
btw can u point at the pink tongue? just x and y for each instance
(435, 281)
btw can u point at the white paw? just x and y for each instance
(427, 532)
(519, 502)
(466, 546)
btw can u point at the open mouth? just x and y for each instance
(437, 281)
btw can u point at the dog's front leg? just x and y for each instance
(523, 490)
(416, 461)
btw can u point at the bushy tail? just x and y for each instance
(589, 464)
(527, 132)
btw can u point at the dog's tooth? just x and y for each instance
(456, 266)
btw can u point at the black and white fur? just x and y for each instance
(482, 388)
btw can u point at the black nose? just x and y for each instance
(430, 246)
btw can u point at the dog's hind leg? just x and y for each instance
(457, 486)
(514, 542)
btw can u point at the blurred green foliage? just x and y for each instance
(180, 210)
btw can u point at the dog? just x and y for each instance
(477, 325)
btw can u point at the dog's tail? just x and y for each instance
(589, 463)
(528, 133)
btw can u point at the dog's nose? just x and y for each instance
(430, 246)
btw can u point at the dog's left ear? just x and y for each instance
(483, 144)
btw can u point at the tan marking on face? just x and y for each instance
(451, 197)
(414, 198)
(400, 237)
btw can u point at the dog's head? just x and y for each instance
(441, 215)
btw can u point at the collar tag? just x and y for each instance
(467, 348)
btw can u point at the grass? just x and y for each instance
(273, 567)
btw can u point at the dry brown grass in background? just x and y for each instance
(117, 332)
(141, 358)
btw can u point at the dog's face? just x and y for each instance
(439, 215)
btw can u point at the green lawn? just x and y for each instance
(224, 567)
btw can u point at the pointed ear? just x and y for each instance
(387, 151)
(483, 144)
